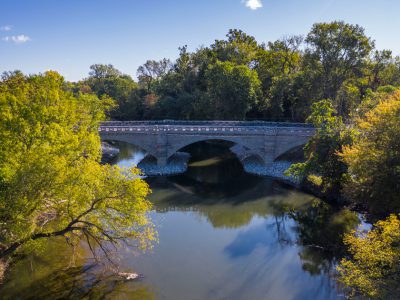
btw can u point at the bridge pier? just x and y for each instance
(162, 161)
(268, 160)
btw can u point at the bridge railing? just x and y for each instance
(206, 123)
(204, 129)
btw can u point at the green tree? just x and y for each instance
(51, 179)
(105, 80)
(338, 51)
(374, 158)
(103, 71)
(373, 268)
(233, 90)
(151, 71)
(239, 48)
(277, 67)
(321, 151)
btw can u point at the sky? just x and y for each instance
(70, 35)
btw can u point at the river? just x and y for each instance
(222, 234)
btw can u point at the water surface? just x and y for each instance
(223, 234)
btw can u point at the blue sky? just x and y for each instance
(70, 35)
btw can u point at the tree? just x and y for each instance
(276, 67)
(51, 179)
(239, 48)
(286, 54)
(106, 81)
(233, 90)
(347, 99)
(151, 71)
(373, 268)
(103, 71)
(339, 51)
(321, 152)
(379, 65)
(374, 158)
(335, 61)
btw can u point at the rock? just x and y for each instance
(129, 276)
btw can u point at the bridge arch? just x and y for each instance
(256, 141)
(283, 148)
(240, 149)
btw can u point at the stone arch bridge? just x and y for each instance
(264, 141)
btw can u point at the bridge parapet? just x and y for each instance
(121, 128)
(206, 123)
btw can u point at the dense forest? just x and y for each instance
(52, 182)
(240, 78)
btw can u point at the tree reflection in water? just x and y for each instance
(67, 273)
(320, 229)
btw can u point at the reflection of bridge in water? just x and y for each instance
(260, 141)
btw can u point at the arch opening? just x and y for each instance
(125, 154)
(210, 151)
(211, 163)
(233, 144)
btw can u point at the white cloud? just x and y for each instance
(6, 28)
(253, 4)
(17, 39)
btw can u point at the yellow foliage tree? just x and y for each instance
(51, 179)
(373, 270)
(374, 158)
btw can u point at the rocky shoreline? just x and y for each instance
(276, 170)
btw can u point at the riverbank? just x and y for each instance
(276, 170)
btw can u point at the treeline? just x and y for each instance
(240, 78)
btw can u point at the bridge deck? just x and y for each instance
(206, 127)
(206, 123)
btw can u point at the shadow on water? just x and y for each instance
(64, 272)
(82, 283)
